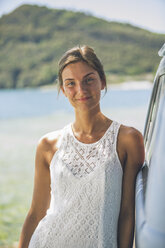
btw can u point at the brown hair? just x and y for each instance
(77, 54)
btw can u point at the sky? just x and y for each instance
(147, 14)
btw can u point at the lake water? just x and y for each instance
(39, 102)
(25, 115)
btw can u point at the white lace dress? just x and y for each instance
(86, 181)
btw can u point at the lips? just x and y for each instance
(82, 99)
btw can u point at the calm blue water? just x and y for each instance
(37, 102)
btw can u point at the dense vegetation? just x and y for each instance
(33, 38)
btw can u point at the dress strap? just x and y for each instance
(116, 128)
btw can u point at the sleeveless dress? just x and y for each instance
(86, 182)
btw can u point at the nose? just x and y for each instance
(81, 87)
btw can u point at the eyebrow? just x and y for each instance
(83, 77)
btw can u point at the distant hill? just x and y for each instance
(33, 38)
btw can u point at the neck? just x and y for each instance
(88, 121)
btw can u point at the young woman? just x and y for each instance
(85, 173)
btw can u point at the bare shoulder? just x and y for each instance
(48, 144)
(49, 139)
(131, 135)
(131, 142)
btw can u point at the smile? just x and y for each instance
(83, 99)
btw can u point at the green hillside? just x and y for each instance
(33, 38)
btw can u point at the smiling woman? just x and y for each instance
(85, 173)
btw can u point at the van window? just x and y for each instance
(160, 93)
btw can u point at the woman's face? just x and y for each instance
(82, 85)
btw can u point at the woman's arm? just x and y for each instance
(132, 142)
(41, 193)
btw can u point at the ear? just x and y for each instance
(103, 84)
(63, 91)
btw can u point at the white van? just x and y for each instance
(150, 185)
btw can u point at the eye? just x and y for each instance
(70, 84)
(89, 80)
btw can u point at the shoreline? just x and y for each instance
(125, 85)
(132, 85)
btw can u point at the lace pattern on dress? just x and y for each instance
(80, 158)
